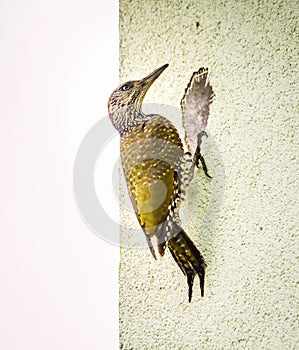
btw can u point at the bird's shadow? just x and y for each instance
(200, 209)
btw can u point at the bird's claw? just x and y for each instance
(198, 157)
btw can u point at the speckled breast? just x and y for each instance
(150, 154)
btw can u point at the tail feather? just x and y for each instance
(188, 258)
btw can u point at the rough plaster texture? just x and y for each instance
(245, 220)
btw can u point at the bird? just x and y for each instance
(157, 170)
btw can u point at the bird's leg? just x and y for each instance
(198, 156)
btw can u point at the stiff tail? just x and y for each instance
(189, 259)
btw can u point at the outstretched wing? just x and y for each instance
(196, 107)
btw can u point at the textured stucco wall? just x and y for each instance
(246, 219)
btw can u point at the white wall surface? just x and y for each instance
(245, 219)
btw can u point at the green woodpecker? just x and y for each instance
(157, 172)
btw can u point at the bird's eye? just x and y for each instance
(125, 87)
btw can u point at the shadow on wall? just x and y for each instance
(201, 207)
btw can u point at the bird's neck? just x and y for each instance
(124, 119)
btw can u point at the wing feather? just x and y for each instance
(196, 107)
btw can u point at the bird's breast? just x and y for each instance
(150, 153)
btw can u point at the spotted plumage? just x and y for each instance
(156, 170)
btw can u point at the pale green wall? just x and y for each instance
(248, 231)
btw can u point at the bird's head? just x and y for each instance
(124, 105)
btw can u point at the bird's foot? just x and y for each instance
(198, 157)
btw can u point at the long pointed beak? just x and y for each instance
(146, 82)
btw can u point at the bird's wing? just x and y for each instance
(196, 107)
(150, 154)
